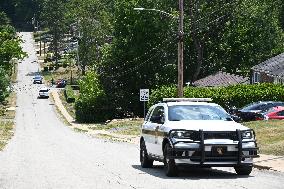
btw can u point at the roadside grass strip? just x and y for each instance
(269, 135)
(6, 132)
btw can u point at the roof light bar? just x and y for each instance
(187, 100)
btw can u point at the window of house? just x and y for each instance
(256, 77)
(278, 80)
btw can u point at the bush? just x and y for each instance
(236, 95)
(92, 104)
(69, 94)
(4, 83)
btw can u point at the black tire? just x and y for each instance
(245, 170)
(170, 165)
(145, 161)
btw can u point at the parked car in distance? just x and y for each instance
(43, 93)
(61, 83)
(274, 113)
(184, 132)
(37, 79)
(253, 111)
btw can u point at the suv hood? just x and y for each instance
(206, 125)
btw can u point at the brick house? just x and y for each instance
(221, 79)
(269, 71)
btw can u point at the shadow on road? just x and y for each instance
(190, 173)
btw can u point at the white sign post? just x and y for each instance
(144, 97)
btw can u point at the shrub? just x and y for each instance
(92, 104)
(236, 95)
(69, 94)
(4, 83)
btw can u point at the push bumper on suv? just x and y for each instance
(214, 148)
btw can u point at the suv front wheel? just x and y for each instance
(145, 161)
(243, 170)
(170, 165)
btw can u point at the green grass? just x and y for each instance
(7, 120)
(270, 136)
(6, 132)
(69, 106)
(124, 127)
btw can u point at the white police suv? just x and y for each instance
(194, 132)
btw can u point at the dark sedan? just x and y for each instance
(252, 112)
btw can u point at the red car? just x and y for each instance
(61, 83)
(275, 113)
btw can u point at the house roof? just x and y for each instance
(273, 66)
(221, 79)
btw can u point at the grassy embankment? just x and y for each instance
(7, 115)
(270, 136)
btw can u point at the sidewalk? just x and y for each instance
(267, 162)
(270, 162)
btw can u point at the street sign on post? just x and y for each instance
(144, 97)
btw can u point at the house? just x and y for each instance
(269, 71)
(221, 79)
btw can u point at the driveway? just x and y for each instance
(44, 153)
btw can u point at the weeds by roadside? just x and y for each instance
(7, 120)
(270, 136)
(6, 132)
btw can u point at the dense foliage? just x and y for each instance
(9, 49)
(92, 104)
(237, 95)
(128, 50)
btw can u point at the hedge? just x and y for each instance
(92, 104)
(69, 94)
(236, 95)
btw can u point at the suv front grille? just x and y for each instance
(196, 136)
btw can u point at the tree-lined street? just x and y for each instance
(44, 153)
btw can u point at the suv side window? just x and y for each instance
(158, 113)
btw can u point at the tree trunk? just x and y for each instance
(198, 44)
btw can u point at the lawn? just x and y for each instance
(121, 126)
(7, 115)
(6, 132)
(270, 136)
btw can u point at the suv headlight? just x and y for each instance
(182, 134)
(247, 134)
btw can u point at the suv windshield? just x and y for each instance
(197, 112)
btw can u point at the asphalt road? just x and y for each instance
(44, 153)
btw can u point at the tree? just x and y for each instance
(91, 21)
(53, 17)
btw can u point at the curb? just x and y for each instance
(262, 167)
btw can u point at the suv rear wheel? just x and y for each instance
(170, 164)
(244, 170)
(145, 161)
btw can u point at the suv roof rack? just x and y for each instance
(187, 100)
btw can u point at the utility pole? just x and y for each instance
(180, 49)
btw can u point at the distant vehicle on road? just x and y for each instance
(193, 132)
(61, 83)
(253, 111)
(37, 79)
(43, 93)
